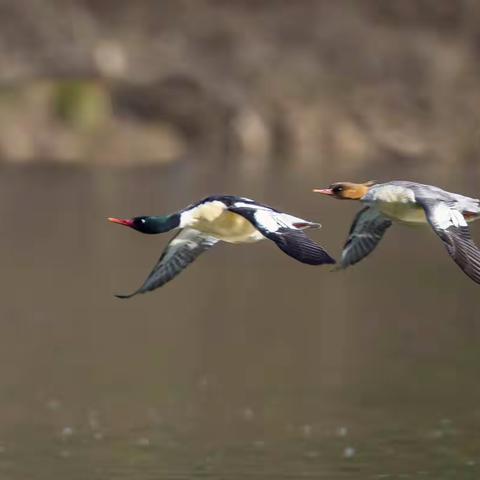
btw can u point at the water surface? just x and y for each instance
(248, 365)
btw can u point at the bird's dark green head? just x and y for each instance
(150, 224)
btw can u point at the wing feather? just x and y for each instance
(367, 230)
(450, 225)
(286, 231)
(182, 250)
(296, 244)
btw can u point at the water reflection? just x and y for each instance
(248, 365)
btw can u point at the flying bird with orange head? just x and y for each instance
(411, 203)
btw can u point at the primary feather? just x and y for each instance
(182, 250)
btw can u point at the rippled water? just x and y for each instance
(248, 365)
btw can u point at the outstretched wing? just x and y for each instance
(366, 231)
(182, 250)
(286, 231)
(450, 225)
(297, 245)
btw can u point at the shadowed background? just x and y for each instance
(249, 365)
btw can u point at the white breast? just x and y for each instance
(398, 203)
(229, 227)
(402, 212)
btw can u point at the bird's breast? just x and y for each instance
(229, 227)
(403, 212)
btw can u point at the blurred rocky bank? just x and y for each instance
(122, 82)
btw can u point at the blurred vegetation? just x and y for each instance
(82, 104)
(123, 82)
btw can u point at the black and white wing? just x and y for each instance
(286, 231)
(367, 230)
(297, 245)
(182, 250)
(450, 225)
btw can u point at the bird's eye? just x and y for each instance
(142, 220)
(337, 189)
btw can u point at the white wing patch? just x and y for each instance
(273, 221)
(266, 220)
(252, 206)
(296, 223)
(445, 217)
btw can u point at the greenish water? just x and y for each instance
(248, 365)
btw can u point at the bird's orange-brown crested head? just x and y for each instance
(346, 190)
